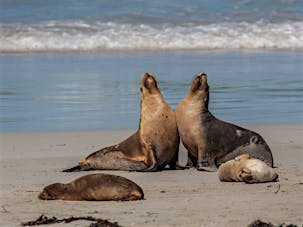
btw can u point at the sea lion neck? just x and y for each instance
(199, 99)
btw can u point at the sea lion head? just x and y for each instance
(52, 191)
(149, 84)
(199, 89)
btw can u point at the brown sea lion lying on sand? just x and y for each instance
(94, 187)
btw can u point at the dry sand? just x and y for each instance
(29, 161)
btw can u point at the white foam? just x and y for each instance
(98, 36)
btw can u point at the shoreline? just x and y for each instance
(144, 51)
(29, 161)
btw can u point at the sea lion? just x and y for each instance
(210, 141)
(154, 145)
(249, 170)
(94, 187)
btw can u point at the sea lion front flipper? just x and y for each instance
(151, 159)
(246, 175)
(191, 161)
(152, 168)
(210, 168)
(206, 164)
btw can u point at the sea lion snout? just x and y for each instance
(149, 82)
(201, 74)
(275, 177)
(200, 82)
(44, 195)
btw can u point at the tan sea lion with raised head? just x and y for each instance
(210, 141)
(153, 146)
(246, 169)
(94, 187)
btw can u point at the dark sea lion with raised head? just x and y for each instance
(94, 187)
(210, 141)
(153, 146)
(246, 169)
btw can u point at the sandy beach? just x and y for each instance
(30, 161)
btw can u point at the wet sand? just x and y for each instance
(29, 161)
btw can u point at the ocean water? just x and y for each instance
(76, 65)
(67, 25)
(101, 91)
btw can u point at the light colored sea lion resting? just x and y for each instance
(210, 141)
(153, 146)
(94, 187)
(249, 170)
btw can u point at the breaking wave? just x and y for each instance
(99, 36)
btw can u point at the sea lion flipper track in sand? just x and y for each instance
(210, 141)
(153, 146)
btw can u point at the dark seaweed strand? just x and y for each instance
(259, 223)
(42, 220)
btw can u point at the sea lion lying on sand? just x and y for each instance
(249, 170)
(94, 187)
(210, 141)
(153, 146)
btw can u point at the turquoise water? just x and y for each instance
(101, 91)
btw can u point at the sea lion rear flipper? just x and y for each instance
(78, 168)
